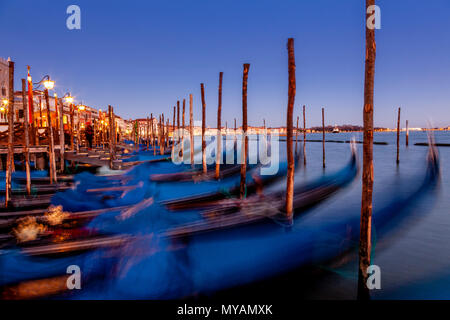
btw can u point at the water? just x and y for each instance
(415, 262)
(413, 255)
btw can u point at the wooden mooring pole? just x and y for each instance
(10, 157)
(244, 146)
(219, 128)
(110, 142)
(398, 137)
(323, 137)
(191, 129)
(51, 148)
(289, 124)
(27, 137)
(365, 244)
(182, 130)
(178, 120)
(304, 135)
(407, 133)
(62, 143)
(296, 137)
(202, 87)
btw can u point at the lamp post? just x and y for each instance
(49, 85)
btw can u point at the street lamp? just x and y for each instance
(68, 98)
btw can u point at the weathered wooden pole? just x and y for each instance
(304, 135)
(10, 157)
(51, 149)
(111, 128)
(323, 137)
(31, 107)
(78, 130)
(161, 148)
(296, 137)
(27, 137)
(219, 128)
(40, 112)
(178, 120)
(71, 127)
(166, 131)
(182, 129)
(191, 129)
(289, 124)
(244, 149)
(398, 137)
(173, 126)
(152, 133)
(202, 87)
(407, 133)
(62, 142)
(365, 245)
(147, 134)
(55, 96)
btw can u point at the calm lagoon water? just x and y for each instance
(415, 258)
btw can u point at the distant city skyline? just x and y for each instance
(143, 56)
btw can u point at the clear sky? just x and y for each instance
(142, 56)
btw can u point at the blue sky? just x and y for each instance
(143, 56)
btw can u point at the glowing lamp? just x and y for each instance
(49, 84)
(68, 99)
(5, 102)
(81, 107)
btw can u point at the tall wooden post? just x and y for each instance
(56, 113)
(71, 127)
(173, 126)
(304, 135)
(40, 112)
(323, 137)
(407, 133)
(202, 87)
(398, 137)
(244, 150)
(10, 157)
(191, 128)
(51, 149)
(182, 130)
(31, 107)
(219, 128)
(161, 147)
(365, 245)
(147, 135)
(27, 137)
(296, 137)
(111, 128)
(289, 124)
(62, 142)
(167, 132)
(178, 120)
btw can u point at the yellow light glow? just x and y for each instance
(5, 102)
(81, 107)
(68, 99)
(49, 84)
(2, 109)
